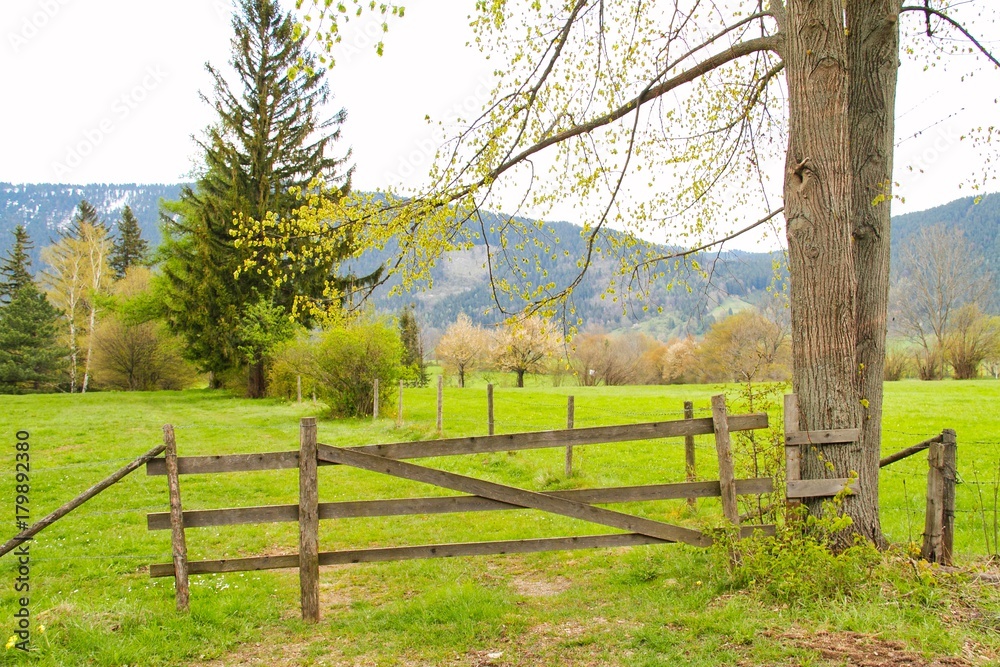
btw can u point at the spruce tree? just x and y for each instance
(85, 214)
(30, 355)
(15, 268)
(268, 136)
(129, 248)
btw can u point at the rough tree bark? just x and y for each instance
(873, 62)
(256, 380)
(820, 247)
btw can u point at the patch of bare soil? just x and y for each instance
(533, 587)
(853, 649)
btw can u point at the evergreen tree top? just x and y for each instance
(85, 214)
(15, 268)
(129, 249)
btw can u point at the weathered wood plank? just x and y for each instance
(570, 422)
(909, 451)
(690, 473)
(818, 488)
(949, 477)
(489, 409)
(450, 504)
(793, 453)
(727, 478)
(178, 546)
(193, 465)
(384, 554)
(515, 496)
(835, 436)
(308, 521)
(933, 546)
(188, 465)
(65, 509)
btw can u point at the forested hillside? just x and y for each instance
(44, 208)
(691, 304)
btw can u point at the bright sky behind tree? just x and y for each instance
(108, 91)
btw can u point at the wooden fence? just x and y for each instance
(942, 475)
(480, 495)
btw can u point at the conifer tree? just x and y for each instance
(129, 248)
(30, 355)
(85, 214)
(15, 268)
(268, 137)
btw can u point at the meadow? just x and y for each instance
(666, 604)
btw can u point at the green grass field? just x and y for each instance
(668, 604)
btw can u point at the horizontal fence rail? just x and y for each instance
(385, 554)
(190, 465)
(452, 504)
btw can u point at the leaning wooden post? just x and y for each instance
(793, 453)
(399, 410)
(933, 518)
(690, 474)
(440, 415)
(570, 418)
(489, 407)
(308, 521)
(178, 546)
(375, 400)
(727, 481)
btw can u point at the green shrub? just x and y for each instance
(342, 364)
(801, 562)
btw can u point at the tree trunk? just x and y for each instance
(820, 246)
(256, 382)
(72, 354)
(461, 378)
(520, 378)
(872, 56)
(90, 349)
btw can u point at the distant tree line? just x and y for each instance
(749, 346)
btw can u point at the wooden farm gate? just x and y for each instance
(481, 496)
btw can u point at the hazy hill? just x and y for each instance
(460, 282)
(45, 208)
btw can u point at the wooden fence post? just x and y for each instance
(489, 407)
(949, 475)
(793, 453)
(375, 400)
(308, 521)
(932, 547)
(570, 419)
(399, 410)
(727, 481)
(298, 388)
(689, 466)
(178, 546)
(440, 414)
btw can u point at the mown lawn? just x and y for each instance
(645, 606)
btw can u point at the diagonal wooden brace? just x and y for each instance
(514, 496)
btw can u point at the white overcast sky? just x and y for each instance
(119, 81)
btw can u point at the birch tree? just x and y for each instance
(65, 283)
